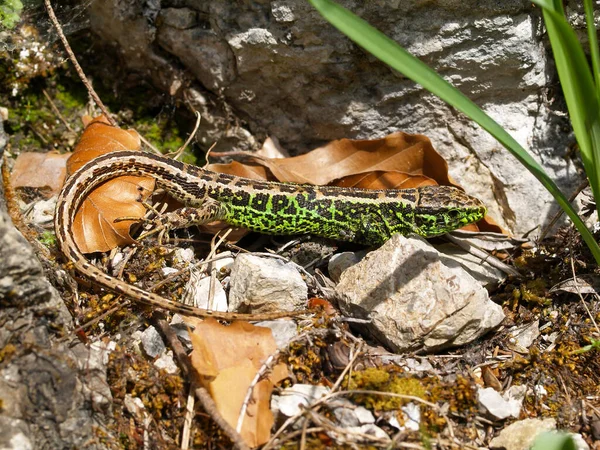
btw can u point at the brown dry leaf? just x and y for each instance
(397, 161)
(379, 179)
(242, 170)
(227, 359)
(40, 170)
(94, 228)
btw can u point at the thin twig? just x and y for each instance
(57, 112)
(181, 149)
(75, 63)
(208, 153)
(187, 421)
(561, 211)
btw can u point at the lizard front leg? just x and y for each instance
(185, 217)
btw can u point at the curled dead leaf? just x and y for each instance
(94, 227)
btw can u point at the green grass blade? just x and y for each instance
(593, 38)
(580, 91)
(392, 54)
(553, 440)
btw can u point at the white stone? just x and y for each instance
(43, 211)
(166, 363)
(296, 398)
(184, 255)
(265, 284)
(224, 263)
(524, 335)
(134, 405)
(417, 299)
(197, 292)
(502, 406)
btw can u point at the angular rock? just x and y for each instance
(520, 435)
(417, 299)
(265, 285)
(487, 275)
(152, 342)
(501, 406)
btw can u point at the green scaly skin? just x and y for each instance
(364, 216)
(370, 218)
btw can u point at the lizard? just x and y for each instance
(363, 216)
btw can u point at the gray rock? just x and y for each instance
(487, 275)
(348, 414)
(341, 261)
(288, 73)
(520, 435)
(54, 392)
(283, 331)
(265, 284)
(523, 336)
(417, 299)
(152, 342)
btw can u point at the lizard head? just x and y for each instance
(441, 209)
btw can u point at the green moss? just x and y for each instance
(48, 238)
(10, 13)
(381, 379)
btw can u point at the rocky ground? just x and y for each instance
(413, 345)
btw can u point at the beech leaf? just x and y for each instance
(40, 170)
(94, 227)
(227, 374)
